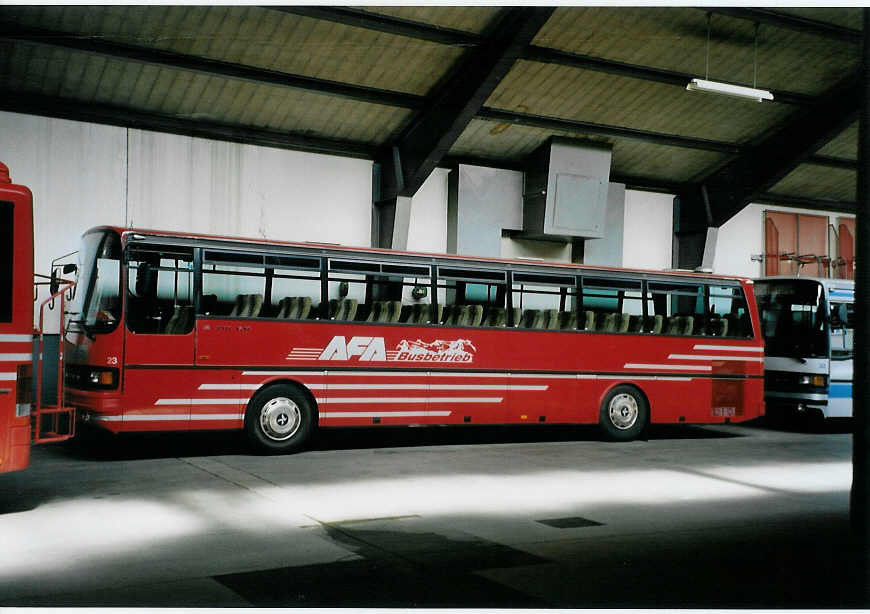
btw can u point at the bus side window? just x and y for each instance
(612, 306)
(236, 281)
(681, 306)
(160, 290)
(549, 300)
(729, 316)
(471, 297)
(295, 288)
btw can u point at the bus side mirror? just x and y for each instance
(69, 268)
(54, 284)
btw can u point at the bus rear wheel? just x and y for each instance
(279, 419)
(624, 413)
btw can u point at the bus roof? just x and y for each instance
(222, 241)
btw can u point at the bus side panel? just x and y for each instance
(14, 431)
(156, 399)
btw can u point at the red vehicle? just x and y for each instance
(18, 406)
(187, 332)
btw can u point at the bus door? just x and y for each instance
(159, 338)
(842, 325)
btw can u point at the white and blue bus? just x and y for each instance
(808, 326)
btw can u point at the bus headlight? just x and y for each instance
(818, 381)
(92, 378)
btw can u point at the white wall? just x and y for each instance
(427, 231)
(743, 236)
(84, 175)
(648, 230)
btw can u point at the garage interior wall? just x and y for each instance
(84, 175)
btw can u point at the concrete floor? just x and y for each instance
(731, 516)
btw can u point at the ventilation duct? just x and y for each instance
(565, 193)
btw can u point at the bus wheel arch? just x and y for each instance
(280, 417)
(624, 412)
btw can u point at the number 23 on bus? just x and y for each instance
(188, 332)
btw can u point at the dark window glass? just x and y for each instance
(613, 305)
(469, 297)
(385, 293)
(546, 302)
(160, 290)
(7, 249)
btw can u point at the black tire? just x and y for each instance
(624, 413)
(279, 419)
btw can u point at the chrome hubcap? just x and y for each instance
(623, 411)
(280, 419)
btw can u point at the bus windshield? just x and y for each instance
(96, 307)
(793, 319)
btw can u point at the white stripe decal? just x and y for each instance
(166, 417)
(7, 377)
(199, 401)
(670, 367)
(316, 373)
(381, 414)
(383, 387)
(411, 400)
(700, 357)
(727, 348)
(15, 357)
(665, 378)
(16, 338)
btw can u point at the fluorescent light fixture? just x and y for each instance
(727, 89)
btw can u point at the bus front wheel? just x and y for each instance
(624, 413)
(279, 419)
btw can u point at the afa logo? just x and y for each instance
(371, 349)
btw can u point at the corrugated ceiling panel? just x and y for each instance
(840, 16)
(263, 38)
(490, 140)
(675, 39)
(845, 145)
(572, 93)
(814, 181)
(466, 18)
(87, 78)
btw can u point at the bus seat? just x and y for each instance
(238, 306)
(172, 324)
(635, 324)
(517, 315)
(608, 325)
(245, 307)
(475, 315)
(181, 320)
(658, 322)
(717, 327)
(282, 308)
(256, 304)
(445, 313)
(438, 315)
(394, 311)
(500, 317)
(589, 323)
(374, 312)
(333, 308)
(419, 313)
(552, 319)
(462, 315)
(568, 320)
(304, 307)
(292, 310)
(350, 311)
(406, 314)
(689, 325)
(528, 320)
(675, 326)
(624, 320)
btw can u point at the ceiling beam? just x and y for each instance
(791, 22)
(647, 73)
(369, 20)
(589, 128)
(409, 160)
(740, 181)
(205, 66)
(65, 108)
(802, 202)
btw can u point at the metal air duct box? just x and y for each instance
(565, 194)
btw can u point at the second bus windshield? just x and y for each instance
(792, 318)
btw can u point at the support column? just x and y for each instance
(690, 231)
(860, 496)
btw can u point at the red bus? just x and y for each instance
(19, 407)
(186, 332)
